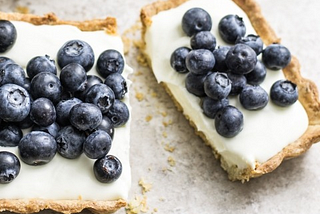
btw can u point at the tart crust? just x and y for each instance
(308, 92)
(32, 205)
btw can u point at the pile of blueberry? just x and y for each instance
(71, 114)
(215, 74)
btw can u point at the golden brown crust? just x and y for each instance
(108, 24)
(64, 206)
(308, 93)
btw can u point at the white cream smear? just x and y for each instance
(63, 178)
(266, 132)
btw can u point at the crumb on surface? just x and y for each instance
(22, 9)
(167, 123)
(164, 113)
(137, 205)
(139, 96)
(137, 73)
(171, 161)
(146, 187)
(141, 59)
(148, 118)
(128, 34)
(169, 148)
(154, 94)
(164, 134)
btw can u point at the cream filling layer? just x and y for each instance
(62, 178)
(265, 132)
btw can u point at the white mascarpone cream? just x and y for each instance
(62, 178)
(265, 132)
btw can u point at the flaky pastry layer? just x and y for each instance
(308, 92)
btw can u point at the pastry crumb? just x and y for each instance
(139, 96)
(163, 113)
(137, 205)
(137, 73)
(171, 161)
(169, 148)
(141, 59)
(164, 134)
(148, 118)
(146, 187)
(22, 9)
(167, 123)
(128, 34)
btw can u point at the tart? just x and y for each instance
(270, 135)
(63, 185)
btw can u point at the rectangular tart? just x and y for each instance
(270, 135)
(66, 186)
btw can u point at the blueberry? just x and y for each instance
(43, 112)
(241, 59)
(14, 103)
(253, 41)
(91, 80)
(107, 126)
(217, 85)
(284, 93)
(239, 81)
(46, 85)
(97, 144)
(25, 123)
(9, 167)
(257, 75)
(253, 97)
(200, 61)
(85, 116)
(101, 95)
(63, 110)
(10, 135)
(37, 148)
(107, 169)
(220, 55)
(41, 64)
(231, 27)
(5, 61)
(76, 51)
(73, 77)
(211, 107)
(12, 73)
(52, 129)
(229, 121)
(196, 20)
(203, 40)
(70, 142)
(195, 84)
(110, 61)
(118, 85)
(118, 113)
(178, 59)
(27, 84)
(8, 35)
(276, 56)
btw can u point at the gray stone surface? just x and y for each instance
(196, 183)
